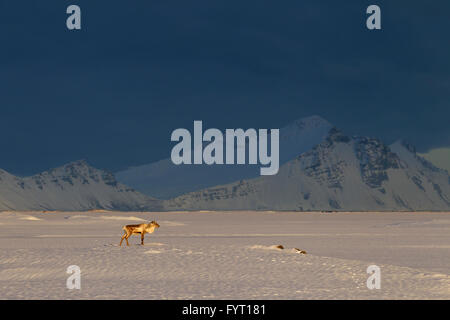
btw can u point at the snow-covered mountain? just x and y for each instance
(341, 173)
(74, 186)
(322, 169)
(165, 180)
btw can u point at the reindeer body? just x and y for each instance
(141, 229)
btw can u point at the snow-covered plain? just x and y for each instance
(225, 255)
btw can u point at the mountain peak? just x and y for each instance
(336, 135)
(77, 163)
(73, 186)
(405, 144)
(74, 168)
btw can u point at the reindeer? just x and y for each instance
(136, 229)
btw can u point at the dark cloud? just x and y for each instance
(114, 91)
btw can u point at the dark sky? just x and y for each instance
(113, 92)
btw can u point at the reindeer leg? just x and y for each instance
(121, 239)
(142, 238)
(126, 238)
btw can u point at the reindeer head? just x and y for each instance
(153, 224)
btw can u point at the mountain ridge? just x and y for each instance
(340, 174)
(71, 187)
(163, 179)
